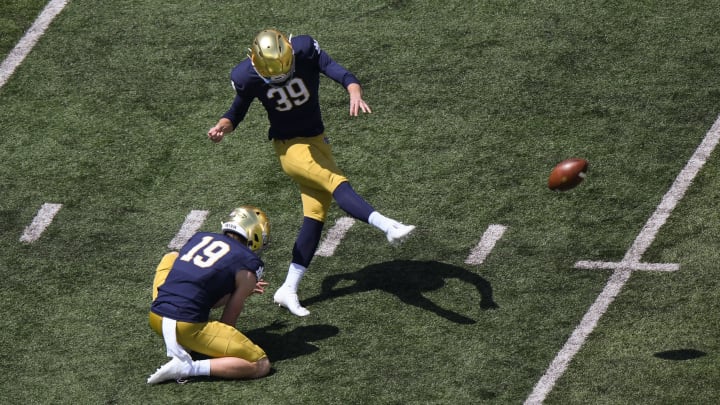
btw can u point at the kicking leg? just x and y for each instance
(357, 207)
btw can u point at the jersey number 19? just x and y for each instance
(212, 251)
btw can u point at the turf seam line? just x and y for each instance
(621, 274)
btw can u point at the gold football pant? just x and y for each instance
(309, 162)
(212, 338)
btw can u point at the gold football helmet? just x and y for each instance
(272, 56)
(246, 221)
(264, 222)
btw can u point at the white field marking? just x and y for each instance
(28, 41)
(193, 222)
(42, 220)
(486, 244)
(334, 236)
(588, 265)
(625, 268)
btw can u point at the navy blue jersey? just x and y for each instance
(203, 273)
(293, 108)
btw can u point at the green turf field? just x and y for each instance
(473, 103)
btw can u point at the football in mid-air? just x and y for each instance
(567, 174)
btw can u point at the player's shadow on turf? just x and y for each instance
(407, 280)
(280, 346)
(288, 345)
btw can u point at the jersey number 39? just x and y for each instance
(293, 94)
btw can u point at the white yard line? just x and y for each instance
(41, 221)
(486, 244)
(193, 222)
(28, 41)
(334, 236)
(625, 268)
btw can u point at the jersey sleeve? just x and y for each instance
(249, 261)
(243, 96)
(310, 49)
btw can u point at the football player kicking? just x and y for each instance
(211, 270)
(284, 74)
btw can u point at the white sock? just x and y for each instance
(294, 275)
(200, 367)
(381, 222)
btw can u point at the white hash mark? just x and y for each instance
(41, 221)
(193, 222)
(486, 244)
(334, 236)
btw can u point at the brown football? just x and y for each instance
(567, 174)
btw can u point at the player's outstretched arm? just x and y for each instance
(357, 103)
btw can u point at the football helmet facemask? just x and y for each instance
(246, 222)
(272, 56)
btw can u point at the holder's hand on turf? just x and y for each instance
(260, 287)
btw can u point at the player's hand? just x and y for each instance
(357, 105)
(260, 287)
(216, 133)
